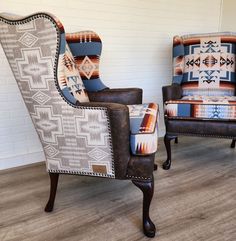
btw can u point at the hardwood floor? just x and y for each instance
(194, 201)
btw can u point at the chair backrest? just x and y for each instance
(204, 64)
(43, 67)
(86, 47)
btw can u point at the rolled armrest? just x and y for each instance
(171, 92)
(120, 132)
(126, 96)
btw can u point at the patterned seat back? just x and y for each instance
(204, 64)
(69, 80)
(75, 139)
(86, 47)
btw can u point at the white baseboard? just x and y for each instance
(21, 160)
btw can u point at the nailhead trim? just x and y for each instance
(80, 173)
(143, 178)
(203, 135)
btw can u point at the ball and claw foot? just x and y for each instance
(166, 165)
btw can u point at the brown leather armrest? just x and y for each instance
(171, 92)
(120, 132)
(126, 96)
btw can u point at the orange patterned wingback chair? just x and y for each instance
(85, 128)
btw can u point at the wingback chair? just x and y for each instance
(85, 128)
(201, 100)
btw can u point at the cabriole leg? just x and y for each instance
(53, 189)
(166, 165)
(147, 188)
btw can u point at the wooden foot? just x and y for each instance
(233, 143)
(53, 189)
(155, 167)
(147, 188)
(176, 140)
(166, 165)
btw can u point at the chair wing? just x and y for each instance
(75, 139)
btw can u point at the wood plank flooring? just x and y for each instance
(194, 201)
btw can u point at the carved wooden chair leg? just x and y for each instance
(147, 188)
(166, 165)
(176, 140)
(155, 167)
(233, 143)
(53, 189)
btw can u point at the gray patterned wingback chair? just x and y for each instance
(85, 128)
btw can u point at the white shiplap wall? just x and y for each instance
(228, 16)
(137, 38)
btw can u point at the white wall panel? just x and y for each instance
(228, 15)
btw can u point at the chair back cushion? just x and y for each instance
(69, 79)
(205, 64)
(86, 47)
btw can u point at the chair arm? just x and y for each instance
(126, 96)
(120, 133)
(171, 92)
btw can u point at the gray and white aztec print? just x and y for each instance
(75, 140)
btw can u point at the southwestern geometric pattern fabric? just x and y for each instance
(75, 139)
(178, 59)
(202, 107)
(69, 79)
(143, 127)
(86, 47)
(205, 64)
